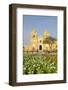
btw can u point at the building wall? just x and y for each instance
(37, 43)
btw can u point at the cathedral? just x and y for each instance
(41, 44)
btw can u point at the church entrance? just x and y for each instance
(40, 47)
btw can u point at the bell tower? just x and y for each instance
(34, 39)
(46, 34)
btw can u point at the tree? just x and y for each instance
(50, 41)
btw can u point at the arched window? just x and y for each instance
(33, 36)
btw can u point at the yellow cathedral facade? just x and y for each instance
(37, 43)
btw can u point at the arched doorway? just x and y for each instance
(40, 47)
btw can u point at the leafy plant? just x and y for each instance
(39, 64)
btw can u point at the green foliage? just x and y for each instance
(49, 40)
(39, 64)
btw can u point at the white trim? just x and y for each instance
(39, 77)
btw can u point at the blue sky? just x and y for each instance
(40, 23)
